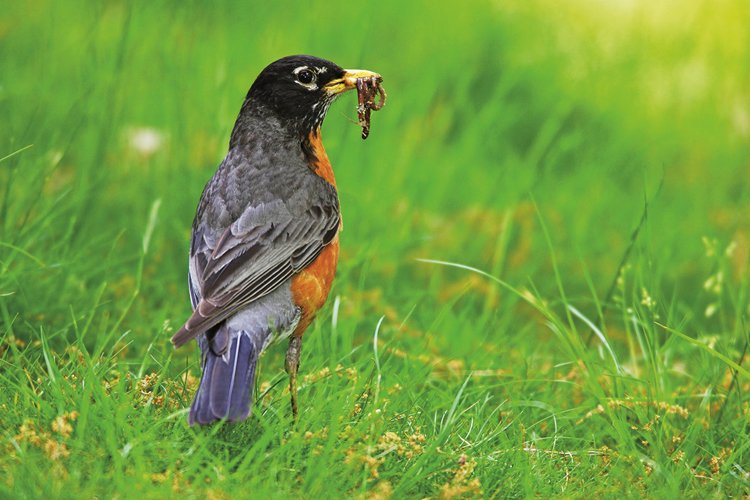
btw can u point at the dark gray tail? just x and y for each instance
(227, 382)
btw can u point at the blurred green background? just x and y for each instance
(620, 128)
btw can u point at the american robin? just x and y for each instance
(265, 243)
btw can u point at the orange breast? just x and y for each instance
(311, 286)
(321, 165)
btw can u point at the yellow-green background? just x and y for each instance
(554, 146)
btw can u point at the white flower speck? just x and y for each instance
(145, 140)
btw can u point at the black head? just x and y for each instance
(297, 91)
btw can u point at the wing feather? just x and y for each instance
(262, 249)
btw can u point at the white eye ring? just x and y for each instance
(306, 77)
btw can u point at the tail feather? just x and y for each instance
(226, 386)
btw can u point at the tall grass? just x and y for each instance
(543, 283)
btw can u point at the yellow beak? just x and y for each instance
(349, 80)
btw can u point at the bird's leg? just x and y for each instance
(292, 365)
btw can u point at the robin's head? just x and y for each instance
(297, 90)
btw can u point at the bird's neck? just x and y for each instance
(255, 123)
(257, 120)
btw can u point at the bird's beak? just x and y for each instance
(349, 80)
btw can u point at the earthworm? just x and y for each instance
(367, 90)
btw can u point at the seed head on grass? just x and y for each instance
(462, 484)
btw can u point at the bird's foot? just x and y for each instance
(292, 365)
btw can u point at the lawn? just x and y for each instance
(543, 285)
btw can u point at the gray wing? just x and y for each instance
(264, 247)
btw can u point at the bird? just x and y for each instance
(264, 245)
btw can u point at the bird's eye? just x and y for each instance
(305, 76)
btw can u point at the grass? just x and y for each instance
(543, 286)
